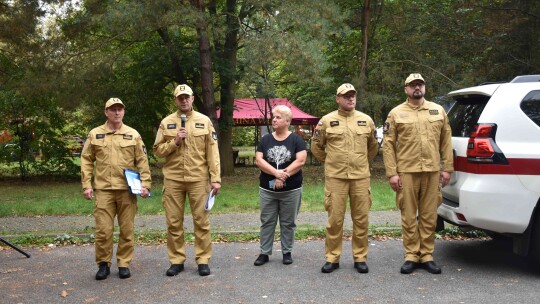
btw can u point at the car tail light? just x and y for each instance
(461, 217)
(482, 147)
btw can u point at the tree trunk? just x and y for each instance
(227, 74)
(363, 58)
(207, 84)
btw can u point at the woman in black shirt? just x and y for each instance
(280, 156)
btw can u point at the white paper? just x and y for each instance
(210, 200)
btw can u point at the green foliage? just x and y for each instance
(60, 63)
(243, 136)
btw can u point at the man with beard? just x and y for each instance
(417, 152)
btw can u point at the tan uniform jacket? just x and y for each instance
(197, 157)
(109, 154)
(346, 143)
(416, 138)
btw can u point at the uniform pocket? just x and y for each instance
(406, 128)
(327, 200)
(199, 139)
(127, 153)
(335, 139)
(100, 149)
(361, 139)
(435, 124)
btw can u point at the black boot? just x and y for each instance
(103, 271)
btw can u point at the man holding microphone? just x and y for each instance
(188, 142)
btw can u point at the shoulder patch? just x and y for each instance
(171, 126)
(434, 112)
(386, 127)
(128, 136)
(362, 123)
(199, 125)
(334, 123)
(98, 136)
(214, 136)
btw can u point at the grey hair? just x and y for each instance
(284, 111)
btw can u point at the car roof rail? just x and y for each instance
(491, 82)
(526, 78)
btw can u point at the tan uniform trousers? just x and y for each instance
(111, 203)
(174, 199)
(336, 192)
(418, 202)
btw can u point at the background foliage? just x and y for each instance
(61, 60)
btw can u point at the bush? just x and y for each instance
(243, 136)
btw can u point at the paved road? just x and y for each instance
(473, 272)
(230, 222)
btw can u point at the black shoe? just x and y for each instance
(408, 267)
(431, 267)
(123, 272)
(329, 267)
(103, 271)
(361, 267)
(287, 258)
(261, 260)
(175, 269)
(204, 270)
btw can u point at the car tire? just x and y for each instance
(534, 251)
(440, 224)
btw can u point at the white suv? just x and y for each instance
(496, 141)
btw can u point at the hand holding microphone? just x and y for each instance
(182, 133)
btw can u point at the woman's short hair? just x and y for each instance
(284, 111)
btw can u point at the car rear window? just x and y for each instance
(531, 106)
(464, 114)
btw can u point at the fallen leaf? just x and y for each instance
(64, 294)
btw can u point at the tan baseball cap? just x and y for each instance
(413, 77)
(344, 88)
(183, 89)
(113, 101)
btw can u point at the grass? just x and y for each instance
(239, 193)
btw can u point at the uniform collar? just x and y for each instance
(423, 106)
(345, 113)
(107, 130)
(188, 113)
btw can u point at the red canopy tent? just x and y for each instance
(250, 112)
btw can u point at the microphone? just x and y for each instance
(183, 118)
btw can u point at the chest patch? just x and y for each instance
(362, 123)
(171, 126)
(434, 112)
(334, 123)
(127, 136)
(99, 136)
(199, 125)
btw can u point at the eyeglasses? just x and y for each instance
(348, 96)
(414, 85)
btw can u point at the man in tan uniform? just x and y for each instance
(188, 142)
(417, 137)
(108, 150)
(345, 142)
